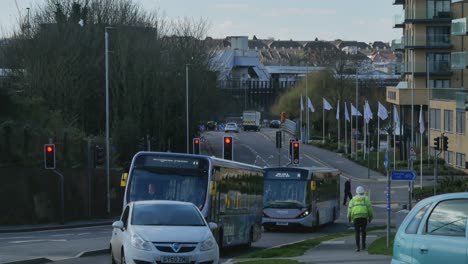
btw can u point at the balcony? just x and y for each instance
(427, 41)
(401, 95)
(437, 68)
(423, 15)
(398, 44)
(459, 27)
(451, 94)
(399, 21)
(459, 60)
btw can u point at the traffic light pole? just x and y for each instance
(62, 202)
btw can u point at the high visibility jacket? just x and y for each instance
(360, 207)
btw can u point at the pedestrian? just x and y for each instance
(360, 212)
(347, 191)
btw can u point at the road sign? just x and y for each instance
(412, 154)
(403, 175)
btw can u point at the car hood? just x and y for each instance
(183, 234)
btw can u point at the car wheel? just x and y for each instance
(112, 255)
(122, 258)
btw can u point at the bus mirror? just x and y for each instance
(313, 187)
(212, 188)
(123, 180)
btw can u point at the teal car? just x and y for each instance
(434, 231)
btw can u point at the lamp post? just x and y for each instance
(106, 34)
(356, 133)
(187, 105)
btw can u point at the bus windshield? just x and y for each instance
(285, 194)
(177, 179)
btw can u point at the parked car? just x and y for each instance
(231, 127)
(275, 124)
(211, 125)
(163, 232)
(434, 231)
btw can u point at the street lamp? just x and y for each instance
(107, 118)
(187, 104)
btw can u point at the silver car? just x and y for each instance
(231, 127)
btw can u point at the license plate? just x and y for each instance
(175, 259)
(282, 223)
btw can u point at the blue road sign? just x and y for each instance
(403, 175)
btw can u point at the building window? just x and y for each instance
(461, 122)
(438, 62)
(438, 36)
(435, 119)
(449, 157)
(438, 8)
(440, 83)
(461, 160)
(448, 121)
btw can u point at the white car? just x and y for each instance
(163, 232)
(231, 127)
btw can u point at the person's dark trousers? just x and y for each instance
(346, 196)
(360, 225)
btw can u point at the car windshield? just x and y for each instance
(166, 215)
(231, 125)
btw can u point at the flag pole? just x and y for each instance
(308, 110)
(323, 121)
(378, 140)
(338, 119)
(300, 122)
(345, 133)
(394, 139)
(421, 174)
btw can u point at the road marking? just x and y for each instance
(10, 238)
(37, 240)
(60, 235)
(82, 234)
(333, 242)
(318, 161)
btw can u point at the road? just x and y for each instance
(249, 147)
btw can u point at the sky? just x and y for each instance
(362, 20)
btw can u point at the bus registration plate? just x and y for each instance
(175, 259)
(282, 223)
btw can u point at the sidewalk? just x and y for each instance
(340, 250)
(53, 226)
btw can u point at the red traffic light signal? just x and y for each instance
(49, 156)
(228, 150)
(295, 158)
(196, 146)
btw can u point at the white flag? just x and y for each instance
(302, 104)
(326, 105)
(396, 118)
(354, 111)
(346, 114)
(421, 121)
(338, 110)
(382, 113)
(309, 105)
(367, 112)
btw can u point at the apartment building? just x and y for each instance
(434, 74)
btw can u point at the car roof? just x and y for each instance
(168, 202)
(447, 196)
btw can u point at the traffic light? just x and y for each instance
(445, 141)
(98, 155)
(227, 148)
(196, 146)
(295, 153)
(49, 156)
(437, 143)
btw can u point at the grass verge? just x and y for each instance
(379, 246)
(271, 261)
(299, 248)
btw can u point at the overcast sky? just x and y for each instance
(363, 20)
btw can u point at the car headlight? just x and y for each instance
(304, 214)
(208, 244)
(138, 243)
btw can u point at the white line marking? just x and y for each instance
(38, 240)
(333, 242)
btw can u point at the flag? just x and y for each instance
(396, 118)
(302, 104)
(382, 113)
(326, 105)
(346, 114)
(421, 121)
(367, 112)
(354, 111)
(309, 105)
(338, 110)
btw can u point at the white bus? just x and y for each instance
(228, 193)
(300, 197)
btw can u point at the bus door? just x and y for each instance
(314, 195)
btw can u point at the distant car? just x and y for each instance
(163, 232)
(211, 125)
(231, 127)
(434, 231)
(275, 124)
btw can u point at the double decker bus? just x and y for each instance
(228, 193)
(300, 197)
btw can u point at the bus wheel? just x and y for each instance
(220, 241)
(317, 221)
(249, 242)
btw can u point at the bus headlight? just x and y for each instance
(304, 214)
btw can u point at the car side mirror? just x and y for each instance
(213, 226)
(118, 224)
